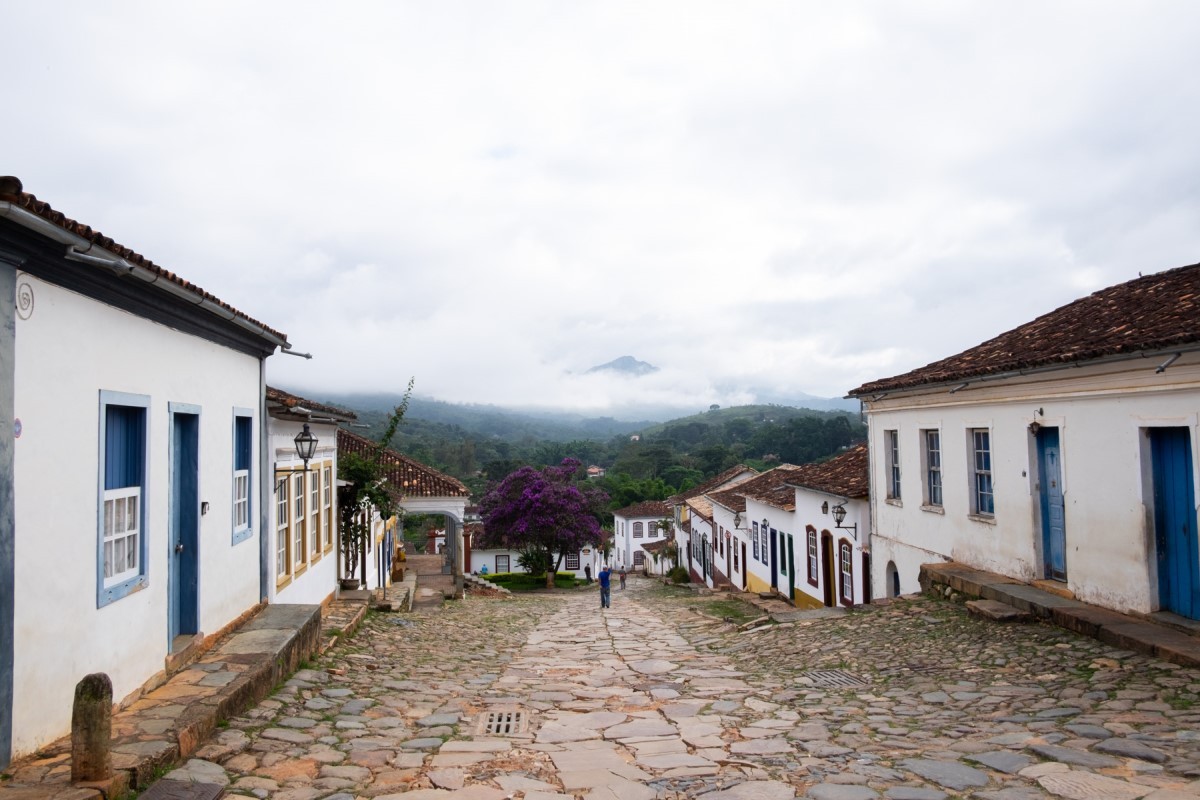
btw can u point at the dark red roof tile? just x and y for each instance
(289, 402)
(408, 478)
(846, 474)
(648, 508)
(1151, 313)
(771, 487)
(709, 485)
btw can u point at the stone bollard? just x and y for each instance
(91, 729)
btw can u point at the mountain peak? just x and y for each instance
(627, 365)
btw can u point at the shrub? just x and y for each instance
(526, 582)
(679, 575)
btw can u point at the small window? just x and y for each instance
(573, 561)
(891, 445)
(282, 531)
(933, 468)
(982, 498)
(327, 513)
(243, 426)
(314, 517)
(501, 563)
(121, 545)
(813, 557)
(846, 572)
(754, 539)
(637, 530)
(764, 551)
(298, 551)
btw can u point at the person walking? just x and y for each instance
(622, 579)
(605, 587)
(587, 573)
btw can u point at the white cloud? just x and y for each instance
(494, 197)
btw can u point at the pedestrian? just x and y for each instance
(605, 588)
(587, 573)
(622, 578)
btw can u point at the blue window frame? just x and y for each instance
(243, 471)
(121, 564)
(982, 498)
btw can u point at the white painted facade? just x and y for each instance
(828, 560)
(303, 537)
(69, 350)
(630, 533)
(495, 559)
(1102, 413)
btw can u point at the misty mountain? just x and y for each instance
(627, 365)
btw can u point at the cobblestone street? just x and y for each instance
(541, 697)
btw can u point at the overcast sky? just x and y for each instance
(494, 196)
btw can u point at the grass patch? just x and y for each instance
(524, 582)
(733, 610)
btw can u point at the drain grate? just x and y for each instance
(504, 722)
(834, 679)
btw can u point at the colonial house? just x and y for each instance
(303, 530)
(687, 540)
(134, 478)
(1063, 450)
(416, 489)
(636, 526)
(490, 560)
(755, 520)
(831, 564)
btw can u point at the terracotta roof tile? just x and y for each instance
(289, 402)
(770, 487)
(407, 477)
(845, 474)
(716, 482)
(11, 191)
(701, 505)
(1151, 313)
(647, 508)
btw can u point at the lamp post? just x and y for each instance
(306, 448)
(839, 516)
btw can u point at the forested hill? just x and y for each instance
(644, 460)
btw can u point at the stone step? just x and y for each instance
(995, 611)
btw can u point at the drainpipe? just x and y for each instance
(265, 486)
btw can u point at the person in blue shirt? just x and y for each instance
(605, 588)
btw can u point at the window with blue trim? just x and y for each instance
(122, 518)
(243, 432)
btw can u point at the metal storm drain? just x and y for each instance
(834, 679)
(503, 722)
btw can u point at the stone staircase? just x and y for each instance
(432, 585)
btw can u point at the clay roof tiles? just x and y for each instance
(289, 402)
(771, 487)
(845, 474)
(408, 478)
(12, 191)
(710, 485)
(647, 508)
(1150, 313)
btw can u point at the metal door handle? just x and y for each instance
(179, 547)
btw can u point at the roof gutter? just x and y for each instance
(81, 250)
(958, 384)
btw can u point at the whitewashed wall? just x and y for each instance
(1101, 413)
(625, 545)
(66, 352)
(318, 579)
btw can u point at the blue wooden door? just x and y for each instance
(1054, 532)
(1175, 521)
(183, 582)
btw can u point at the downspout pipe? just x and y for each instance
(264, 493)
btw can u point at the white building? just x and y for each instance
(1063, 450)
(754, 520)
(634, 527)
(303, 531)
(133, 481)
(691, 552)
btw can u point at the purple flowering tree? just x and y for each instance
(543, 514)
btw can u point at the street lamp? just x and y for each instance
(306, 448)
(839, 516)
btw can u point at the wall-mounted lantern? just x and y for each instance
(306, 448)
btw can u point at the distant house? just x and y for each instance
(134, 477)
(303, 529)
(490, 560)
(417, 489)
(635, 527)
(688, 538)
(1063, 450)
(594, 472)
(754, 521)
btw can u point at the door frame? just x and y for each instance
(183, 526)
(1050, 541)
(828, 573)
(1173, 501)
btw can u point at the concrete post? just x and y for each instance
(91, 729)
